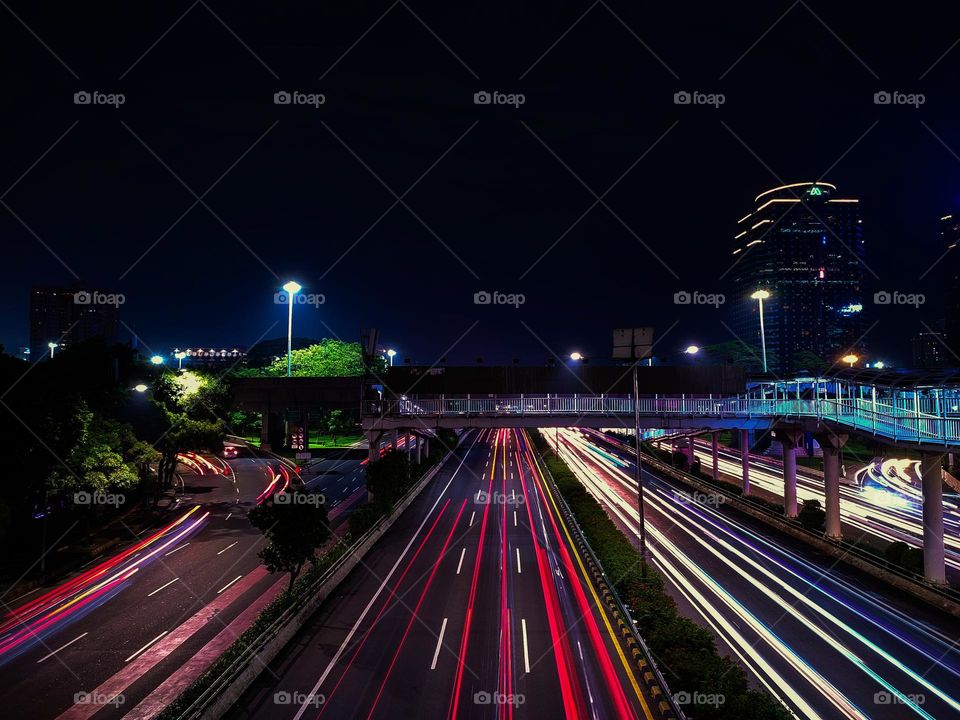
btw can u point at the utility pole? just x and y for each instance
(639, 473)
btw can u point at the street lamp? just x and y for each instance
(761, 295)
(157, 360)
(140, 388)
(53, 346)
(291, 288)
(692, 350)
(180, 356)
(576, 357)
(850, 359)
(391, 353)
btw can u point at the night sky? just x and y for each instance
(107, 196)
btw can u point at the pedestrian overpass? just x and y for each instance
(919, 411)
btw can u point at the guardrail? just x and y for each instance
(306, 602)
(898, 421)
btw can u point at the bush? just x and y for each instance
(364, 518)
(812, 515)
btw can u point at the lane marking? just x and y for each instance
(229, 584)
(176, 549)
(436, 653)
(228, 516)
(460, 564)
(472, 515)
(514, 518)
(145, 646)
(162, 587)
(228, 547)
(46, 657)
(519, 570)
(526, 650)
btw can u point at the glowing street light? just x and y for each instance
(760, 296)
(576, 357)
(180, 356)
(391, 353)
(140, 388)
(291, 288)
(692, 349)
(158, 359)
(53, 346)
(850, 359)
(879, 365)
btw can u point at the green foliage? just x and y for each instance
(904, 557)
(364, 518)
(337, 424)
(389, 478)
(294, 530)
(809, 361)
(328, 358)
(812, 515)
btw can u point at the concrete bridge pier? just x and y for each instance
(715, 452)
(934, 568)
(790, 440)
(396, 439)
(373, 444)
(831, 444)
(745, 458)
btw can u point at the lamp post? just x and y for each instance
(291, 288)
(157, 359)
(691, 350)
(180, 356)
(761, 295)
(390, 354)
(53, 346)
(576, 356)
(850, 359)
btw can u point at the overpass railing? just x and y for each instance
(896, 420)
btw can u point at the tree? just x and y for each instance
(336, 425)
(812, 515)
(809, 361)
(295, 526)
(328, 358)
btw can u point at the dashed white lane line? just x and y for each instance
(514, 518)
(436, 653)
(228, 516)
(519, 570)
(228, 547)
(471, 519)
(460, 564)
(162, 587)
(47, 657)
(178, 549)
(229, 584)
(526, 650)
(145, 646)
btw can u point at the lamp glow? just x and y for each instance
(760, 296)
(292, 288)
(576, 357)
(157, 359)
(140, 388)
(850, 359)
(692, 350)
(391, 354)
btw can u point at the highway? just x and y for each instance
(125, 623)
(474, 604)
(826, 642)
(882, 504)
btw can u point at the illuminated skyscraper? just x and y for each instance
(950, 237)
(804, 245)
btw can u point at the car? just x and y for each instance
(229, 451)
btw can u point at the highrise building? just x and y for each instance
(950, 237)
(928, 350)
(804, 245)
(66, 316)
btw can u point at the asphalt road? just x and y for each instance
(829, 642)
(153, 604)
(472, 605)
